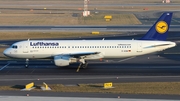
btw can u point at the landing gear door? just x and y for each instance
(139, 47)
(25, 47)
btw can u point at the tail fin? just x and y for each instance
(160, 29)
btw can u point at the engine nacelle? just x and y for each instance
(61, 60)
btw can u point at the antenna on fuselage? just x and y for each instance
(103, 38)
(28, 39)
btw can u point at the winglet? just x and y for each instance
(160, 29)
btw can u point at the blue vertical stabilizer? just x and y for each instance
(160, 29)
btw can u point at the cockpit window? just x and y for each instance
(14, 46)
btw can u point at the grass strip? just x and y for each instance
(44, 35)
(172, 88)
(117, 19)
(66, 19)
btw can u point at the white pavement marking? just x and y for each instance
(87, 78)
(14, 67)
(32, 71)
(39, 98)
(126, 59)
(4, 66)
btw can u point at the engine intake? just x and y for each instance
(61, 60)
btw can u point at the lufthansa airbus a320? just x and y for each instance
(65, 52)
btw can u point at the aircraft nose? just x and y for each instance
(6, 52)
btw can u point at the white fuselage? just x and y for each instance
(106, 48)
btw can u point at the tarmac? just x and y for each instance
(156, 67)
(29, 98)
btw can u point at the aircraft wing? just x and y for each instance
(79, 54)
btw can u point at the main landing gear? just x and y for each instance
(27, 63)
(83, 64)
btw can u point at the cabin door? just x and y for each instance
(25, 47)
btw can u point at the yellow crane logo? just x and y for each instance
(161, 27)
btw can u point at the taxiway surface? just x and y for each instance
(147, 68)
(84, 28)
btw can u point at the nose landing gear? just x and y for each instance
(27, 63)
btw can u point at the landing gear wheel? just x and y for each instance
(27, 63)
(84, 65)
(26, 66)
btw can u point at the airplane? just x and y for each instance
(65, 52)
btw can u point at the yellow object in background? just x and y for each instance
(108, 17)
(108, 85)
(30, 85)
(45, 85)
(95, 32)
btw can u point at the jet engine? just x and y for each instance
(61, 60)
